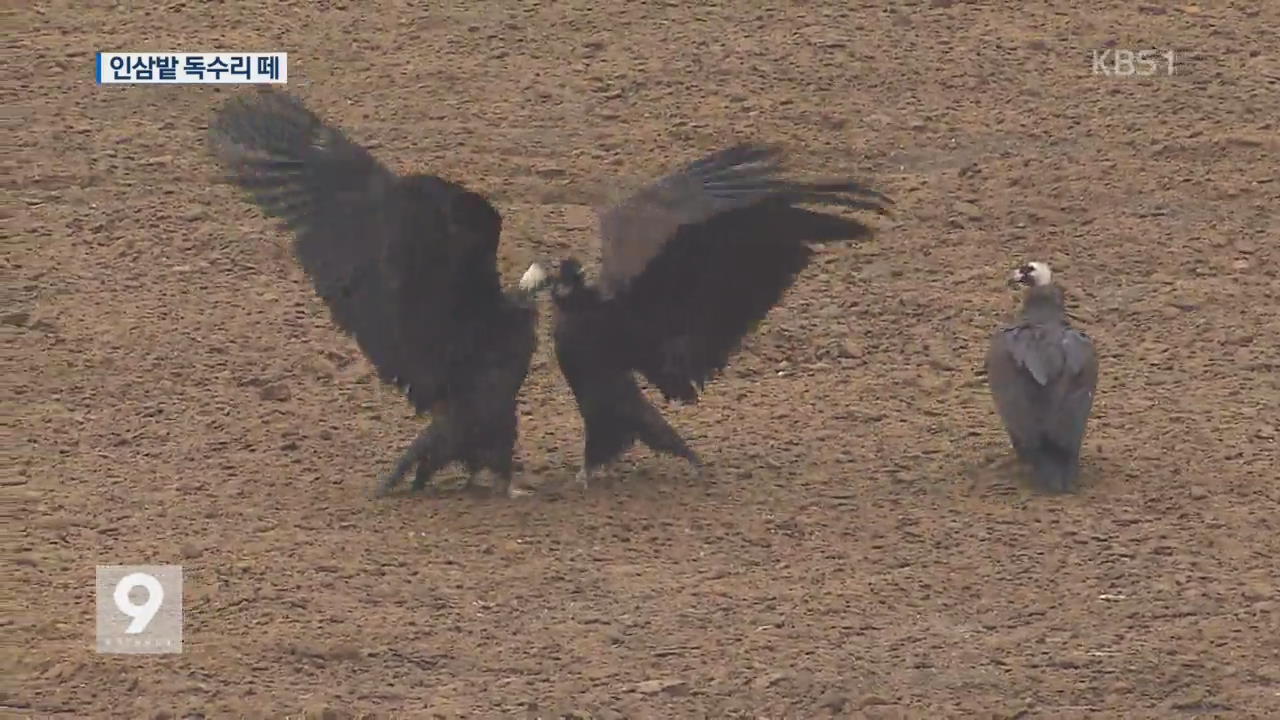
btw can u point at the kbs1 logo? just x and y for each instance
(1132, 63)
(139, 609)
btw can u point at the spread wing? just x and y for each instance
(634, 231)
(387, 254)
(695, 260)
(1042, 380)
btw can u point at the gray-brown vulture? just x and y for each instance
(406, 265)
(1043, 374)
(691, 263)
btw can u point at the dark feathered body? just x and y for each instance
(593, 350)
(405, 264)
(1043, 375)
(692, 264)
(453, 319)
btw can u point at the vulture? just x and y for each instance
(406, 265)
(690, 264)
(1042, 374)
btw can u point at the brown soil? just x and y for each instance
(858, 550)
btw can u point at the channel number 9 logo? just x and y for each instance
(141, 615)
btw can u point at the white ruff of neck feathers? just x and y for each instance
(533, 278)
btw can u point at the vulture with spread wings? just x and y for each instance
(1043, 374)
(691, 264)
(406, 265)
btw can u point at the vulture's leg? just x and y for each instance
(430, 451)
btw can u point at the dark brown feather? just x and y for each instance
(691, 264)
(1043, 374)
(635, 231)
(406, 264)
(711, 286)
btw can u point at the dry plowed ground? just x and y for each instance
(178, 394)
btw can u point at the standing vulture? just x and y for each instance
(406, 265)
(1043, 374)
(691, 263)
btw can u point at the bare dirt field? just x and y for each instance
(177, 394)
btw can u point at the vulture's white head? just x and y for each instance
(1033, 274)
(534, 278)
